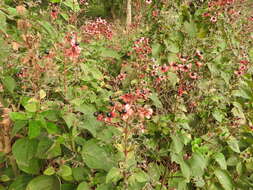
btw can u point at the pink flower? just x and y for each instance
(199, 64)
(148, 1)
(193, 75)
(145, 113)
(129, 98)
(54, 14)
(164, 68)
(185, 68)
(213, 19)
(127, 112)
(73, 52)
(238, 73)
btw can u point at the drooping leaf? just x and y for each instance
(9, 83)
(224, 179)
(234, 145)
(90, 153)
(34, 128)
(113, 175)
(44, 183)
(220, 158)
(83, 186)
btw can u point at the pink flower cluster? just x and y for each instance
(142, 47)
(127, 108)
(72, 52)
(242, 68)
(97, 28)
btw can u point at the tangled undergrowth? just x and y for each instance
(164, 105)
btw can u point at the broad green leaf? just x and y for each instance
(83, 186)
(220, 158)
(218, 115)
(20, 183)
(44, 183)
(156, 48)
(105, 52)
(198, 164)
(34, 128)
(18, 125)
(24, 150)
(224, 179)
(70, 119)
(177, 145)
(172, 46)
(15, 116)
(72, 4)
(48, 149)
(173, 78)
(49, 171)
(156, 101)
(64, 171)
(90, 153)
(9, 83)
(31, 107)
(141, 177)
(234, 145)
(113, 175)
(80, 173)
(186, 171)
(52, 128)
(190, 28)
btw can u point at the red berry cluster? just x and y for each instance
(97, 28)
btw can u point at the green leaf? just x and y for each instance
(64, 171)
(24, 152)
(198, 164)
(80, 173)
(224, 179)
(172, 46)
(141, 177)
(18, 125)
(20, 183)
(48, 149)
(31, 107)
(9, 83)
(15, 116)
(49, 171)
(234, 145)
(105, 52)
(186, 171)
(190, 28)
(218, 115)
(156, 101)
(113, 175)
(52, 128)
(83, 186)
(177, 145)
(34, 128)
(156, 48)
(90, 153)
(72, 4)
(220, 158)
(44, 183)
(70, 119)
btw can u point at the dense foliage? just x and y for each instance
(87, 104)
